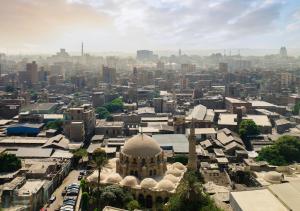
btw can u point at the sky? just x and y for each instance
(45, 26)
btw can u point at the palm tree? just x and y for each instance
(100, 160)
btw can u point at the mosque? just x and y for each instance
(142, 168)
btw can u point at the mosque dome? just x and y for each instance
(114, 178)
(179, 166)
(148, 183)
(273, 177)
(174, 171)
(141, 145)
(165, 185)
(172, 178)
(129, 181)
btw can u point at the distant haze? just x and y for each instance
(257, 27)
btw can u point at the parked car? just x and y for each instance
(82, 172)
(52, 199)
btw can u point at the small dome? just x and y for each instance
(165, 185)
(94, 177)
(129, 181)
(273, 177)
(174, 171)
(141, 146)
(172, 178)
(114, 178)
(148, 183)
(179, 166)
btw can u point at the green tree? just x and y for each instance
(85, 201)
(79, 154)
(181, 159)
(9, 162)
(296, 109)
(83, 185)
(115, 105)
(132, 205)
(56, 125)
(100, 159)
(10, 88)
(286, 150)
(248, 128)
(190, 196)
(102, 112)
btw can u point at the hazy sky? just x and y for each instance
(30, 26)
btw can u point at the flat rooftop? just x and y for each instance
(234, 100)
(260, 120)
(257, 200)
(260, 103)
(227, 119)
(30, 187)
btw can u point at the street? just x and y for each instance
(71, 178)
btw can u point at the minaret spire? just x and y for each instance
(192, 163)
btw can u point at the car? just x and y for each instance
(70, 203)
(73, 189)
(52, 199)
(80, 177)
(82, 172)
(64, 192)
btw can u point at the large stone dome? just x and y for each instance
(141, 145)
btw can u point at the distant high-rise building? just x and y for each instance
(109, 74)
(32, 73)
(179, 53)
(160, 65)
(283, 52)
(223, 67)
(144, 55)
(188, 68)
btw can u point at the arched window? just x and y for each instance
(150, 173)
(154, 172)
(148, 203)
(143, 162)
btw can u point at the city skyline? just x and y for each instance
(33, 26)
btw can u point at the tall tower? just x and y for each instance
(192, 163)
(82, 49)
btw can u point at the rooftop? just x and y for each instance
(227, 119)
(260, 120)
(179, 142)
(257, 200)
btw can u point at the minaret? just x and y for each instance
(192, 163)
(82, 49)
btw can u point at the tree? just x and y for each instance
(248, 128)
(286, 150)
(84, 185)
(132, 205)
(190, 196)
(115, 105)
(56, 125)
(102, 112)
(10, 88)
(85, 201)
(79, 154)
(9, 162)
(296, 109)
(100, 159)
(181, 159)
